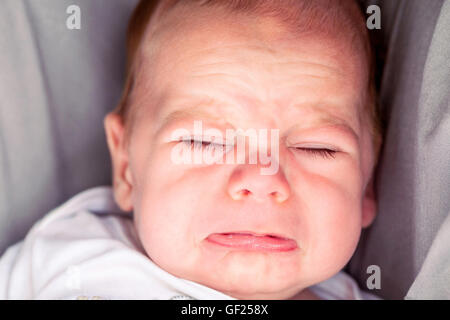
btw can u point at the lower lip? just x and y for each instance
(251, 242)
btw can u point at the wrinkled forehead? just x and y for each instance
(206, 41)
(186, 37)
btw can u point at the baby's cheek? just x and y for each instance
(163, 227)
(335, 236)
(333, 222)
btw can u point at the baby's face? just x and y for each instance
(234, 73)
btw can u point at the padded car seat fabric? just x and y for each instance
(56, 85)
(413, 180)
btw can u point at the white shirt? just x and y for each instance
(87, 248)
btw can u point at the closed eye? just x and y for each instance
(325, 153)
(201, 143)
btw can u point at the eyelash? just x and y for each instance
(325, 153)
(201, 144)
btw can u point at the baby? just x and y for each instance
(301, 70)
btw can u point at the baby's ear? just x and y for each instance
(369, 205)
(122, 182)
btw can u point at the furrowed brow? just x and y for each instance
(202, 111)
(327, 120)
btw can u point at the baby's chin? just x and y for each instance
(251, 275)
(252, 283)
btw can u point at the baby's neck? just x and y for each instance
(305, 294)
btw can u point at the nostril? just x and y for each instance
(240, 194)
(276, 195)
(245, 192)
(279, 196)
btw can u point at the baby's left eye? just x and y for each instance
(325, 153)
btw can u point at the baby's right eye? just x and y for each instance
(208, 146)
(192, 143)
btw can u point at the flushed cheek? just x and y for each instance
(334, 229)
(173, 215)
(331, 211)
(164, 219)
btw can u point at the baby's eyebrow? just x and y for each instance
(332, 121)
(211, 112)
(326, 120)
(320, 115)
(189, 113)
(197, 113)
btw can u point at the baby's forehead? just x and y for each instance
(339, 19)
(180, 32)
(210, 33)
(215, 41)
(241, 51)
(242, 97)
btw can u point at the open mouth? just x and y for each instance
(252, 241)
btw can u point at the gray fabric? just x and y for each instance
(413, 180)
(55, 87)
(432, 281)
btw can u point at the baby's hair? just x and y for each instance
(301, 17)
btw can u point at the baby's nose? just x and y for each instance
(247, 182)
